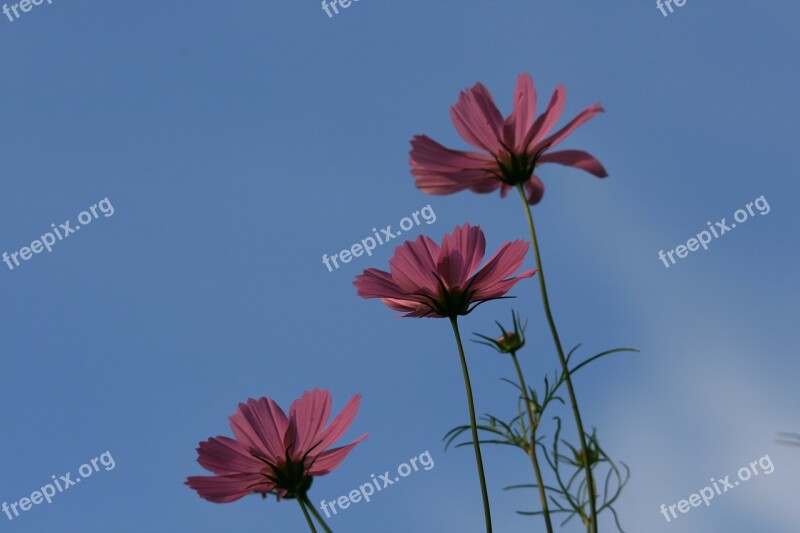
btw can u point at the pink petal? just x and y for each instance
(534, 189)
(222, 455)
(477, 119)
(338, 425)
(440, 170)
(563, 133)
(518, 122)
(413, 265)
(261, 425)
(429, 154)
(491, 280)
(488, 183)
(327, 461)
(415, 309)
(374, 283)
(225, 489)
(438, 183)
(548, 119)
(500, 288)
(307, 416)
(462, 252)
(575, 158)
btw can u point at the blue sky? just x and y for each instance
(238, 142)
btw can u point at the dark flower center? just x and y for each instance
(455, 302)
(452, 301)
(515, 169)
(290, 476)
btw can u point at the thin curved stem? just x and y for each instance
(317, 515)
(534, 457)
(305, 513)
(592, 526)
(473, 425)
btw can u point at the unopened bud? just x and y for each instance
(510, 342)
(594, 455)
(535, 407)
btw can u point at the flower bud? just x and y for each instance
(510, 342)
(594, 455)
(535, 407)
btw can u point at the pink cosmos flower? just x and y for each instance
(273, 453)
(511, 149)
(426, 280)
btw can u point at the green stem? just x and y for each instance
(474, 425)
(305, 513)
(317, 515)
(564, 368)
(534, 457)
